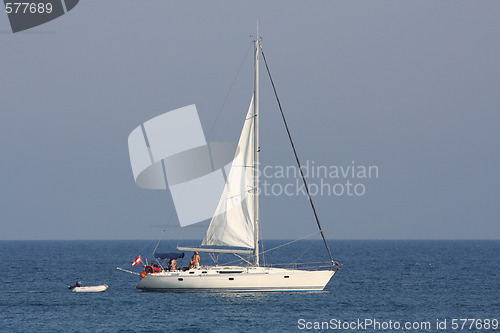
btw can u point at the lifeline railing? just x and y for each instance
(317, 266)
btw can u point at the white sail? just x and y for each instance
(233, 220)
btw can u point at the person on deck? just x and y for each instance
(156, 268)
(195, 260)
(172, 265)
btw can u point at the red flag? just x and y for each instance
(137, 261)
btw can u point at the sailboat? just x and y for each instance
(234, 229)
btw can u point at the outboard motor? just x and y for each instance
(77, 284)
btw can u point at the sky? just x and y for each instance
(409, 88)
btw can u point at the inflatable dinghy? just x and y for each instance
(78, 288)
(90, 289)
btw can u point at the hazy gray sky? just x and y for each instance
(410, 87)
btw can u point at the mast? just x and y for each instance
(256, 147)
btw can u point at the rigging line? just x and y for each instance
(164, 228)
(232, 262)
(296, 157)
(159, 240)
(248, 262)
(180, 238)
(212, 257)
(227, 97)
(305, 251)
(282, 245)
(261, 242)
(145, 246)
(277, 247)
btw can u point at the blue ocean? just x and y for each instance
(383, 286)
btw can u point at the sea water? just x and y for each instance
(428, 285)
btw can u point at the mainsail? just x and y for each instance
(233, 221)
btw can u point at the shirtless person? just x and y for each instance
(195, 260)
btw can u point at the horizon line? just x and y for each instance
(274, 239)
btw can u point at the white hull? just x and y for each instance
(90, 289)
(236, 279)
